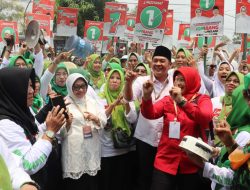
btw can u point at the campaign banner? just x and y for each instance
(8, 27)
(66, 21)
(184, 32)
(44, 23)
(114, 19)
(207, 18)
(242, 18)
(150, 21)
(248, 47)
(93, 33)
(200, 41)
(45, 7)
(169, 23)
(130, 26)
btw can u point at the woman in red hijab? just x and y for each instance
(185, 112)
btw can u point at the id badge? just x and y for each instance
(87, 132)
(174, 130)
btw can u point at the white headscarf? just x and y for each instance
(69, 83)
(218, 87)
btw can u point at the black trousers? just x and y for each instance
(165, 181)
(146, 156)
(114, 173)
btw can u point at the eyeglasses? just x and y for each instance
(78, 87)
(246, 94)
(234, 81)
(61, 74)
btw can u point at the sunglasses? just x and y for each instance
(246, 94)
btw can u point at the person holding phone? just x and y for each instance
(81, 146)
(19, 130)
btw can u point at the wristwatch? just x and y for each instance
(50, 134)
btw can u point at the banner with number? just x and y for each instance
(248, 47)
(66, 21)
(184, 32)
(93, 32)
(130, 26)
(242, 19)
(115, 19)
(44, 7)
(200, 41)
(150, 21)
(8, 27)
(169, 23)
(207, 18)
(44, 23)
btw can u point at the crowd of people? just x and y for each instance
(121, 120)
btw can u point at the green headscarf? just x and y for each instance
(38, 100)
(29, 62)
(247, 81)
(237, 119)
(5, 180)
(62, 90)
(146, 67)
(117, 116)
(240, 115)
(98, 78)
(227, 99)
(13, 60)
(186, 52)
(113, 65)
(115, 60)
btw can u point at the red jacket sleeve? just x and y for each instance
(202, 112)
(152, 111)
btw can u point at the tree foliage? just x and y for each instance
(88, 10)
(11, 10)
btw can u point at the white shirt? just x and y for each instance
(108, 149)
(149, 131)
(224, 176)
(17, 174)
(80, 155)
(32, 157)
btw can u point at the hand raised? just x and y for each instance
(148, 88)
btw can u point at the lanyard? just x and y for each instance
(225, 110)
(164, 86)
(175, 106)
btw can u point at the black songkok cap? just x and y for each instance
(162, 51)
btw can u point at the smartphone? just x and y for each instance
(59, 101)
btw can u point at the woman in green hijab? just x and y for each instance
(94, 67)
(222, 105)
(142, 69)
(18, 61)
(38, 101)
(115, 157)
(110, 66)
(58, 82)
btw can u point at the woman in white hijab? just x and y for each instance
(81, 148)
(216, 88)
